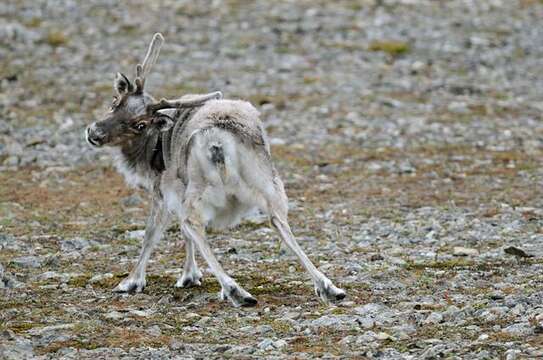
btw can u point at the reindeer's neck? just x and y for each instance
(144, 159)
(141, 161)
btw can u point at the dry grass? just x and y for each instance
(56, 38)
(391, 47)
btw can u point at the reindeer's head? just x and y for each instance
(130, 116)
(134, 114)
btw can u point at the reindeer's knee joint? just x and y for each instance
(194, 222)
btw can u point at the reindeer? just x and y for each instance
(206, 162)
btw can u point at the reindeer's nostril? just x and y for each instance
(94, 136)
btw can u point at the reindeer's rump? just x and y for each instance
(237, 117)
(223, 156)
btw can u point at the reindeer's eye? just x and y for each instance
(140, 126)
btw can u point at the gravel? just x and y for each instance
(409, 142)
(27, 261)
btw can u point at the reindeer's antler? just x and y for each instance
(142, 70)
(150, 58)
(184, 102)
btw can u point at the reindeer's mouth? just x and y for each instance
(93, 143)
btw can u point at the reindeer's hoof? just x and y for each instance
(189, 279)
(237, 296)
(328, 293)
(130, 285)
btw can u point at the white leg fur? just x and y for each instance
(192, 275)
(229, 288)
(156, 224)
(324, 288)
(277, 207)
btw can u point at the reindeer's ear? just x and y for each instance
(121, 84)
(162, 122)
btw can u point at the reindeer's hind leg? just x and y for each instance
(193, 229)
(277, 207)
(192, 275)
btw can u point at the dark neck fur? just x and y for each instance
(144, 154)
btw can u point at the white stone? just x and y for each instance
(462, 251)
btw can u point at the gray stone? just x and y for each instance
(132, 200)
(266, 344)
(366, 322)
(403, 332)
(377, 313)
(433, 318)
(9, 282)
(6, 240)
(136, 234)
(12, 160)
(154, 331)
(434, 351)
(27, 261)
(263, 329)
(114, 315)
(74, 244)
(484, 355)
(334, 321)
(512, 354)
(463, 251)
(41, 331)
(458, 107)
(100, 277)
(520, 329)
(16, 348)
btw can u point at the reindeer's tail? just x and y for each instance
(216, 153)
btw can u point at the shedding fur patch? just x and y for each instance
(216, 154)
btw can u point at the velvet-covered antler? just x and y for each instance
(184, 102)
(150, 59)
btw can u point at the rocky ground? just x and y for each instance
(409, 135)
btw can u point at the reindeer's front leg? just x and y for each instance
(156, 224)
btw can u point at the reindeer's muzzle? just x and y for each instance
(95, 137)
